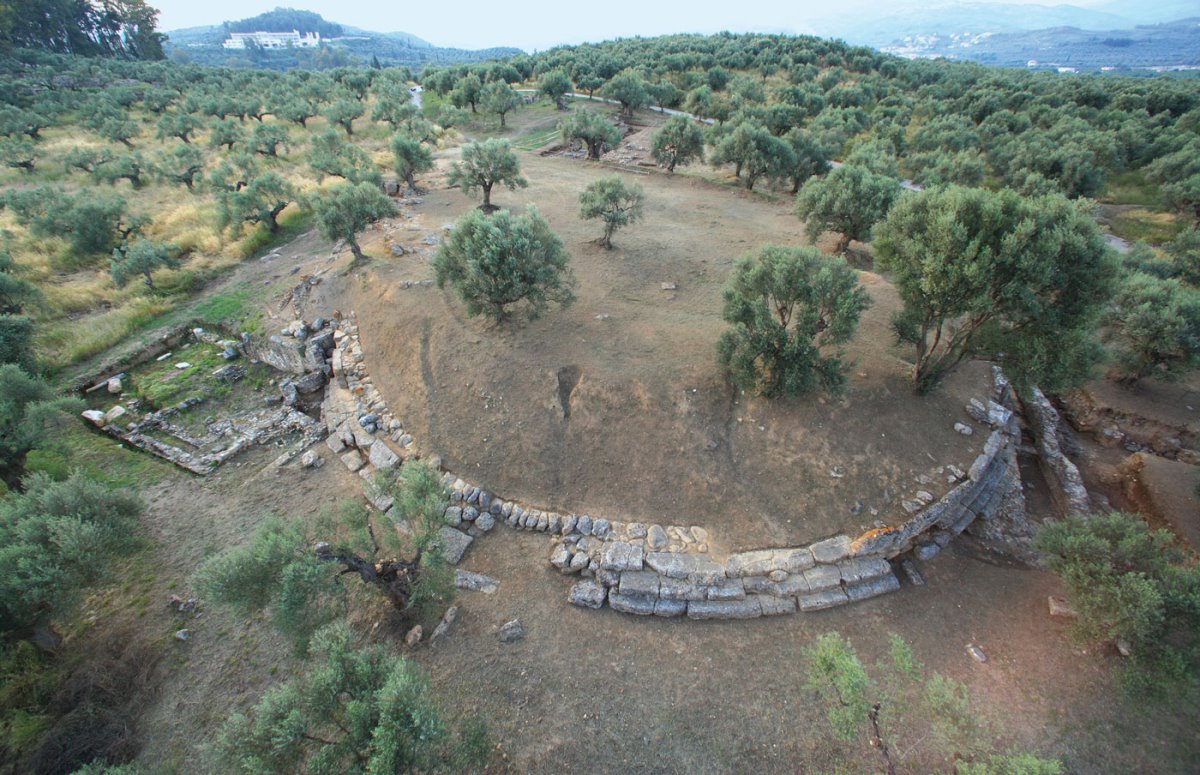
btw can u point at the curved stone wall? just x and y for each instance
(672, 570)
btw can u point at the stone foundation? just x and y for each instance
(672, 570)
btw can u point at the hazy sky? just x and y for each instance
(540, 24)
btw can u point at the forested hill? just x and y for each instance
(341, 45)
(1175, 44)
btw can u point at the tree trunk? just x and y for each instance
(501, 120)
(878, 742)
(149, 281)
(412, 183)
(356, 250)
(487, 197)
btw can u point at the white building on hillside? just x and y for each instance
(273, 39)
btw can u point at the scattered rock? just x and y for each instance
(669, 287)
(443, 628)
(414, 636)
(963, 428)
(115, 385)
(1123, 647)
(95, 416)
(477, 582)
(183, 365)
(976, 653)
(589, 594)
(912, 573)
(311, 459)
(454, 544)
(183, 635)
(1061, 608)
(511, 630)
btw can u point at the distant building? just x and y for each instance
(273, 39)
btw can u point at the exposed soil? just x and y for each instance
(616, 405)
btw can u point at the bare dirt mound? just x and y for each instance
(615, 405)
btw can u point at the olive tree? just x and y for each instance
(356, 710)
(347, 208)
(849, 200)
(260, 200)
(591, 128)
(629, 89)
(57, 538)
(556, 85)
(484, 165)
(410, 157)
(499, 98)
(142, 258)
(1155, 325)
(294, 569)
(612, 201)
(790, 308)
(496, 262)
(1033, 274)
(1128, 581)
(679, 141)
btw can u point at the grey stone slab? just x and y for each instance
(639, 582)
(831, 549)
(863, 569)
(678, 589)
(352, 459)
(747, 608)
(775, 606)
(794, 560)
(698, 568)
(874, 587)
(729, 589)
(621, 556)
(587, 593)
(382, 456)
(822, 577)
(465, 579)
(756, 563)
(825, 599)
(453, 543)
(670, 607)
(632, 604)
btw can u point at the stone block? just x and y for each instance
(632, 604)
(747, 608)
(756, 563)
(335, 443)
(823, 577)
(670, 607)
(352, 459)
(828, 598)
(465, 579)
(927, 551)
(587, 593)
(677, 589)
(794, 560)
(639, 582)
(382, 457)
(874, 587)
(697, 568)
(831, 549)
(775, 606)
(453, 544)
(729, 589)
(621, 556)
(862, 569)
